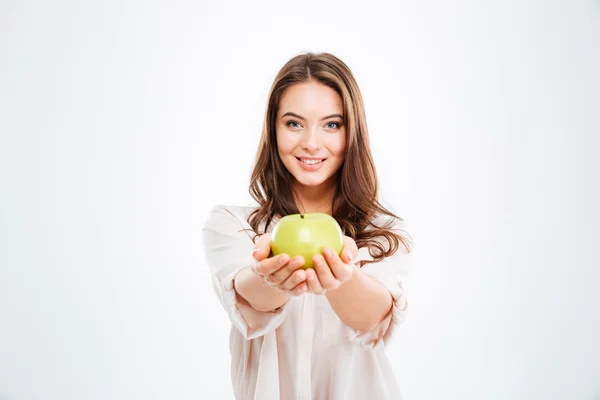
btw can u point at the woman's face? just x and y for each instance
(311, 137)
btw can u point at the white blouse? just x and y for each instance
(302, 350)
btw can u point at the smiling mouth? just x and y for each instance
(310, 162)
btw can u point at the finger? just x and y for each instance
(312, 281)
(349, 247)
(262, 247)
(299, 289)
(340, 270)
(346, 255)
(324, 273)
(288, 269)
(293, 280)
(270, 265)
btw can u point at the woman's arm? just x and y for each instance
(359, 300)
(257, 293)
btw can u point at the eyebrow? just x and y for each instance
(291, 114)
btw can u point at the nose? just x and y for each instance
(311, 140)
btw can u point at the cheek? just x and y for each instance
(337, 145)
(284, 143)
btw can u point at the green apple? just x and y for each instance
(306, 235)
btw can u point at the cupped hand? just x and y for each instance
(279, 271)
(330, 270)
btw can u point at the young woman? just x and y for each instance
(317, 333)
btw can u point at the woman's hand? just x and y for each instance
(279, 271)
(331, 270)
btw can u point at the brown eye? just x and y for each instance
(293, 124)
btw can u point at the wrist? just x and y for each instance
(353, 276)
(262, 283)
(251, 287)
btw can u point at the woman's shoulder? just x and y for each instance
(382, 220)
(243, 211)
(393, 223)
(228, 215)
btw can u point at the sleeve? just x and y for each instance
(393, 273)
(228, 249)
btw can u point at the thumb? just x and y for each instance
(263, 247)
(347, 256)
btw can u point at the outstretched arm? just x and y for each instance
(359, 300)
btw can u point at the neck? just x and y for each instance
(311, 199)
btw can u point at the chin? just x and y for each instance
(310, 183)
(311, 180)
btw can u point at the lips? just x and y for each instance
(311, 161)
(311, 164)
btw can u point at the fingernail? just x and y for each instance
(255, 250)
(350, 257)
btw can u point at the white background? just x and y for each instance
(122, 123)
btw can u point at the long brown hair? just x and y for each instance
(355, 203)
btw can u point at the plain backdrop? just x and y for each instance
(123, 123)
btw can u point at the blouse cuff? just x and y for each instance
(382, 334)
(250, 322)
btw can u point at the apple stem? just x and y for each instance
(302, 216)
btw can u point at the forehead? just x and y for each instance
(310, 100)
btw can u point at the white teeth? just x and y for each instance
(310, 162)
